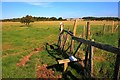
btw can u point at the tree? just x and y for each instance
(27, 20)
(60, 18)
(53, 18)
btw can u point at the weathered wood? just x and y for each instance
(116, 28)
(86, 45)
(112, 26)
(91, 59)
(77, 49)
(71, 34)
(99, 45)
(86, 56)
(105, 47)
(61, 27)
(65, 40)
(63, 61)
(88, 31)
(60, 36)
(75, 26)
(65, 66)
(74, 33)
(84, 31)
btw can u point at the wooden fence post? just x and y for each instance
(103, 28)
(74, 33)
(60, 35)
(91, 59)
(87, 37)
(88, 31)
(84, 31)
(116, 28)
(112, 26)
(75, 26)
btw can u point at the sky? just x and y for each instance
(59, 9)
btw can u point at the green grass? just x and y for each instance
(18, 42)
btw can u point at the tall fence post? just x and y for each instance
(112, 26)
(74, 33)
(88, 31)
(87, 37)
(60, 35)
(116, 28)
(91, 59)
(84, 31)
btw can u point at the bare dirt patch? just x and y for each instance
(43, 72)
(25, 59)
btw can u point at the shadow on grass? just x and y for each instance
(54, 51)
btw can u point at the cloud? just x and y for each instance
(42, 4)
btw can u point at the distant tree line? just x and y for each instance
(102, 18)
(34, 19)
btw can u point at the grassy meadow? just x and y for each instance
(18, 41)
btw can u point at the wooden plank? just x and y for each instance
(65, 66)
(105, 47)
(63, 61)
(77, 49)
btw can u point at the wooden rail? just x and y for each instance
(106, 47)
(89, 50)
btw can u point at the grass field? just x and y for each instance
(18, 41)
